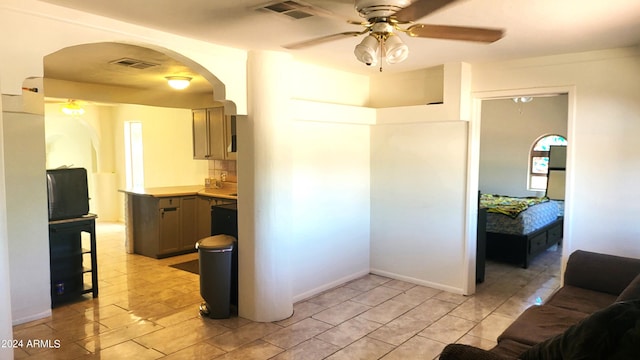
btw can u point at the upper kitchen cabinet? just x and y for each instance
(213, 134)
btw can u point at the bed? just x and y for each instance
(518, 229)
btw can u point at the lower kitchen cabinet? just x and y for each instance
(188, 222)
(168, 226)
(164, 226)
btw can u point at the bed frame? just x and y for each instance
(520, 249)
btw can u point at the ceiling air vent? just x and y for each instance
(292, 9)
(133, 63)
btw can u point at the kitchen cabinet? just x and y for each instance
(188, 216)
(213, 134)
(164, 226)
(72, 258)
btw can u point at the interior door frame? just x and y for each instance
(473, 171)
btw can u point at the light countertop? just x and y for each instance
(228, 191)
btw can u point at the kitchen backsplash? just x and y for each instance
(217, 167)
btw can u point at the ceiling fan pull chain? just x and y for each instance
(381, 40)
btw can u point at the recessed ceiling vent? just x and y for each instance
(292, 9)
(133, 63)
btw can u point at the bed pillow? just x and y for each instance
(632, 291)
(611, 333)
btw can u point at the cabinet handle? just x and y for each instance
(163, 210)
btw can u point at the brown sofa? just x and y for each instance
(595, 315)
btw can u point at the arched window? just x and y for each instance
(539, 160)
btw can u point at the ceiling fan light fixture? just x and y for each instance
(178, 82)
(367, 51)
(72, 108)
(522, 99)
(395, 49)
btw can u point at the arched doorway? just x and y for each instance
(115, 83)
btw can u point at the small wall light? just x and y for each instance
(178, 82)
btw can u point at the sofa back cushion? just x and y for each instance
(600, 272)
(631, 292)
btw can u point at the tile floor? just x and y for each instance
(148, 310)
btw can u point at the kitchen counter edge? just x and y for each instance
(171, 191)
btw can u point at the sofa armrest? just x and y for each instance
(600, 272)
(462, 352)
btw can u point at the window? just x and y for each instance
(539, 160)
(133, 154)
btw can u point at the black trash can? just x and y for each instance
(216, 263)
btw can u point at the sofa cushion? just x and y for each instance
(539, 323)
(510, 349)
(611, 333)
(582, 300)
(631, 292)
(462, 351)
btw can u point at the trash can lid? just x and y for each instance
(216, 242)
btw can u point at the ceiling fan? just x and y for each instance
(385, 19)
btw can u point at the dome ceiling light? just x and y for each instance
(178, 82)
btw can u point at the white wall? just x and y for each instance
(330, 184)
(419, 187)
(353, 89)
(418, 87)
(603, 161)
(27, 217)
(6, 332)
(418, 174)
(330, 205)
(508, 131)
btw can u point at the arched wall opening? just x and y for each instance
(117, 82)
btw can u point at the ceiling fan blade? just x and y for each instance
(323, 39)
(420, 9)
(456, 33)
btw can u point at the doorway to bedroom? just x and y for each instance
(512, 164)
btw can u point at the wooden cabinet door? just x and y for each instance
(216, 133)
(188, 223)
(200, 134)
(169, 230)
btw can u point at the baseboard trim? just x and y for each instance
(417, 281)
(32, 317)
(308, 294)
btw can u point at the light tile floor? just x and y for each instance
(148, 310)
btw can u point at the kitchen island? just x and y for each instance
(168, 221)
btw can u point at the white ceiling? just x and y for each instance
(533, 27)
